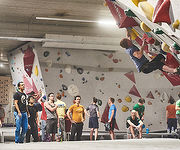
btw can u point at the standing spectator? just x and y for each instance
(93, 118)
(33, 120)
(20, 113)
(77, 118)
(2, 115)
(178, 113)
(112, 116)
(43, 118)
(134, 125)
(50, 108)
(171, 116)
(61, 111)
(139, 107)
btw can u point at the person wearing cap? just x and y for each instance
(134, 125)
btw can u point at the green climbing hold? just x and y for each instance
(176, 46)
(158, 31)
(129, 13)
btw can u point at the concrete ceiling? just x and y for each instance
(18, 19)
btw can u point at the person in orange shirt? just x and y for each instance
(76, 115)
(171, 116)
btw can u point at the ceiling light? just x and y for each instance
(1, 65)
(105, 22)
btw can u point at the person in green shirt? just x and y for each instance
(134, 125)
(139, 107)
(178, 112)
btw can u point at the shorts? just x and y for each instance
(112, 124)
(153, 65)
(51, 126)
(93, 122)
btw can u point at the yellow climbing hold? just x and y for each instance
(136, 2)
(128, 99)
(176, 24)
(105, 4)
(133, 34)
(147, 9)
(144, 27)
(124, 108)
(36, 71)
(165, 47)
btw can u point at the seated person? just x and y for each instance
(134, 125)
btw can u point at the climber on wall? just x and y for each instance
(141, 62)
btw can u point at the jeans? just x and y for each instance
(43, 129)
(20, 122)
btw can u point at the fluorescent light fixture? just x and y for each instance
(105, 22)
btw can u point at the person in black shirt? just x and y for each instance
(33, 120)
(134, 125)
(20, 113)
(93, 118)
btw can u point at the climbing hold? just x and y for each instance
(58, 58)
(119, 100)
(115, 61)
(144, 27)
(99, 102)
(147, 9)
(80, 70)
(176, 47)
(129, 13)
(133, 34)
(165, 47)
(128, 99)
(124, 108)
(46, 53)
(136, 2)
(36, 71)
(158, 31)
(64, 87)
(175, 25)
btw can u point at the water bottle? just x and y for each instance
(147, 130)
(168, 130)
(172, 131)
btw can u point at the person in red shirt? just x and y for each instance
(171, 116)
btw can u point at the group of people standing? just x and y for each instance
(53, 114)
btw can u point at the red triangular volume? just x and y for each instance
(122, 20)
(28, 85)
(28, 60)
(130, 76)
(162, 12)
(105, 114)
(134, 91)
(34, 87)
(173, 63)
(150, 95)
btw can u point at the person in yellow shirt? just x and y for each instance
(76, 114)
(61, 111)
